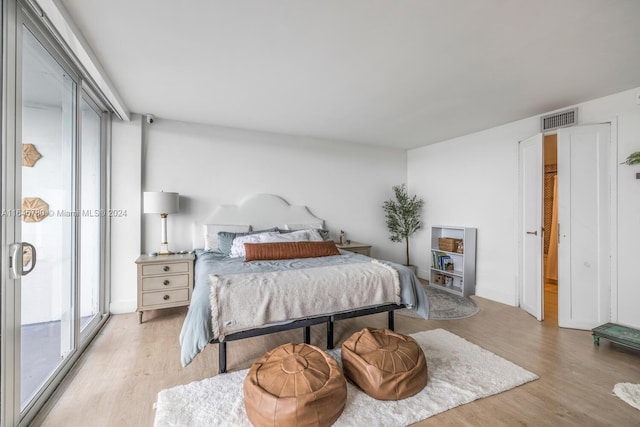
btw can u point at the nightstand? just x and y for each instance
(359, 248)
(164, 281)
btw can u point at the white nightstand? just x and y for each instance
(164, 281)
(359, 248)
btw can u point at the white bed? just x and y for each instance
(264, 212)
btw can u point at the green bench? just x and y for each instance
(618, 334)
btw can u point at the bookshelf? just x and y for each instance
(453, 259)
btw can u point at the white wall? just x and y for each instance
(468, 181)
(472, 181)
(126, 164)
(343, 183)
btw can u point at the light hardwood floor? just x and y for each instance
(551, 303)
(117, 381)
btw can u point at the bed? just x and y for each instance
(234, 298)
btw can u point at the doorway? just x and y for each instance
(550, 226)
(584, 225)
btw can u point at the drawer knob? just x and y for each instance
(166, 297)
(166, 283)
(166, 268)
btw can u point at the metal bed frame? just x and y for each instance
(306, 324)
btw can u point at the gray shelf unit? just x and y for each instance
(462, 280)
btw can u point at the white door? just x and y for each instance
(584, 226)
(530, 225)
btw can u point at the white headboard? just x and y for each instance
(261, 211)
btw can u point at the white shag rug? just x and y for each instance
(459, 372)
(628, 392)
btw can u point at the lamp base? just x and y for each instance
(164, 249)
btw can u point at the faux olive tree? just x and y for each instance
(403, 216)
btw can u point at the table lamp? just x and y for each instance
(163, 203)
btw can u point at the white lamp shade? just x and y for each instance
(160, 202)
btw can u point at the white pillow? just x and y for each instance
(211, 233)
(303, 226)
(295, 236)
(237, 249)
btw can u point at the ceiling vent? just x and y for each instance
(559, 120)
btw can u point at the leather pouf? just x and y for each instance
(295, 385)
(384, 364)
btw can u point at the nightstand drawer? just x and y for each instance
(361, 251)
(168, 297)
(168, 268)
(165, 282)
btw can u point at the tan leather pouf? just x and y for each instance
(384, 364)
(295, 385)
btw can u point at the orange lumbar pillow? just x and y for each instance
(289, 250)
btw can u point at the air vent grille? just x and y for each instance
(559, 120)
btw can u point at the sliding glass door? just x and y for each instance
(47, 221)
(92, 209)
(54, 222)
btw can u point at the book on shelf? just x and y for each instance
(442, 261)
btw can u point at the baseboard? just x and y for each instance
(504, 298)
(423, 273)
(493, 295)
(125, 306)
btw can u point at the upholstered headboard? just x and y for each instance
(260, 211)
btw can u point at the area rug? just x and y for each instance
(444, 305)
(459, 372)
(628, 392)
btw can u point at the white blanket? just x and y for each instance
(246, 301)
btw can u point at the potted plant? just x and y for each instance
(403, 216)
(633, 159)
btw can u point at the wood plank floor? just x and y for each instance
(117, 381)
(551, 303)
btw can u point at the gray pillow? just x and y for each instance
(225, 238)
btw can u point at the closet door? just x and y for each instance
(530, 226)
(584, 248)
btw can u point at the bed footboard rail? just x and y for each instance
(301, 323)
(306, 331)
(389, 308)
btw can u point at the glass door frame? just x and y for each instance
(87, 95)
(15, 14)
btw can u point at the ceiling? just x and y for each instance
(401, 74)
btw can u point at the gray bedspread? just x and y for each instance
(197, 331)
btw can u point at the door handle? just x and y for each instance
(15, 260)
(16, 257)
(33, 257)
(535, 233)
